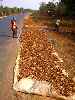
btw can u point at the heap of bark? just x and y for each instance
(38, 60)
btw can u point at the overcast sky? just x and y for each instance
(33, 4)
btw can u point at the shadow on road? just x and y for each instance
(5, 35)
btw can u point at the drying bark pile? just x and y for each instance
(40, 61)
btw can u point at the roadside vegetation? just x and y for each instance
(63, 10)
(5, 11)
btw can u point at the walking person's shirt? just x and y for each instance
(13, 24)
(58, 22)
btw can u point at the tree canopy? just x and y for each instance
(4, 11)
(70, 7)
(63, 8)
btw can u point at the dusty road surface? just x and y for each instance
(7, 62)
(8, 53)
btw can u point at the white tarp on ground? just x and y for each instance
(33, 86)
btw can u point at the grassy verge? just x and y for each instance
(66, 25)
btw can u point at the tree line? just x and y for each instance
(5, 11)
(61, 8)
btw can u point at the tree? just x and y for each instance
(70, 7)
(1, 10)
(5, 11)
(43, 8)
(51, 8)
(60, 9)
(47, 9)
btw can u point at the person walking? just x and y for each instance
(14, 27)
(57, 25)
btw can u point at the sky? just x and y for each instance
(32, 4)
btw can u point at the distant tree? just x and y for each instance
(5, 11)
(60, 9)
(47, 9)
(21, 10)
(43, 8)
(1, 10)
(70, 7)
(51, 8)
